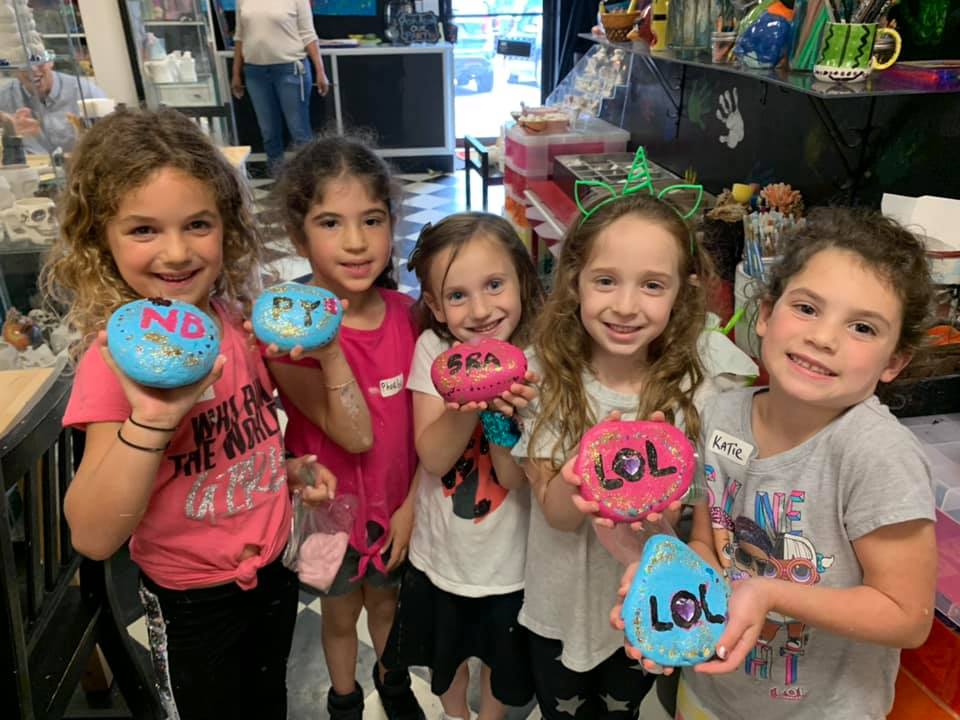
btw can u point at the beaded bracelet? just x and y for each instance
(500, 429)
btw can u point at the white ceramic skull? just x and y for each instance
(33, 220)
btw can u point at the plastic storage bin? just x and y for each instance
(517, 180)
(533, 154)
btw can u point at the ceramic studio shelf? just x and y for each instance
(892, 82)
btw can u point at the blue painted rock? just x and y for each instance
(633, 468)
(676, 608)
(292, 314)
(478, 370)
(163, 343)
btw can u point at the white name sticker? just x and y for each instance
(734, 448)
(391, 386)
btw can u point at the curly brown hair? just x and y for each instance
(305, 177)
(563, 346)
(119, 154)
(454, 232)
(889, 249)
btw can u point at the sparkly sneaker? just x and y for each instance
(345, 707)
(399, 702)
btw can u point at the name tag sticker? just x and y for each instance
(731, 447)
(391, 386)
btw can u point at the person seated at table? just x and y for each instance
(58, 93)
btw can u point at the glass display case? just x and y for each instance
(44, 96)
(174, 56)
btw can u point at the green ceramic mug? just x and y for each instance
(846, 52)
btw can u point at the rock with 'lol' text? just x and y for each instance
(676, 608)
(292, 314)
(633, 468)
(478, 371)
(163, 343)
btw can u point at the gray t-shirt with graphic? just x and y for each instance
(571, 580)
(795, 516)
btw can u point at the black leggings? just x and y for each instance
(222, 651)
(612, 690)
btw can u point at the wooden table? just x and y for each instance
(20, 390)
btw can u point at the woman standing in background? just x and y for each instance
(271, 43)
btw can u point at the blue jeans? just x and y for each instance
(279, 92)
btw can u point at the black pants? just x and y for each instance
(613, 689)
(222, 652)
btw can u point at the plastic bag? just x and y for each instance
(324, 534)
(626, 544)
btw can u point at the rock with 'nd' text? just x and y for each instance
(163, 343)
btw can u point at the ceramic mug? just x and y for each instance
(846, 52)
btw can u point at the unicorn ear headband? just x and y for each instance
(638, 178)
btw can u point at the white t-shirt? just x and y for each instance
(274, 31)
(470, 534)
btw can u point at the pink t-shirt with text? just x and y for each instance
(221, 485)
(379, 478)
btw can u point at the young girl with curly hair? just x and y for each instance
(194, 476)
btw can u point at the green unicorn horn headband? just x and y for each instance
(638, 178)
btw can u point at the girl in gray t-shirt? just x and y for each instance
(619, 333)
(820, 508)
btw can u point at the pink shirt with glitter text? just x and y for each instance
(221, 485)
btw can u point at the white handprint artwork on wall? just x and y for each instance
(728, 112)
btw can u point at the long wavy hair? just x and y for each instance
(118, 155)
(674, 370)
(454, 232)
(305, 177)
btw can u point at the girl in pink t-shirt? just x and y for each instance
(337, 204)
(194, 476)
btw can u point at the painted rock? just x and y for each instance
(676, 608)
(163, 343)
(634, 468)
(478, 371)
(292, 314)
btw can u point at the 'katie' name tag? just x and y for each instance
(734, 448)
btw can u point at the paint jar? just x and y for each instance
(689, 23)
(721, 45)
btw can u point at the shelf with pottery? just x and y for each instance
(878, 84)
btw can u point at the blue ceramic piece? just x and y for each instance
(676, 608)
(292, 314)
(765, 43)
(163, 343)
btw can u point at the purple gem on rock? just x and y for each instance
(632, 465)
(684, 607)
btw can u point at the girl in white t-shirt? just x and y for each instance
(461, 595)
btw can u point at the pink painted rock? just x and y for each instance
(320, 557)
(634, 468)
(478, 371)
